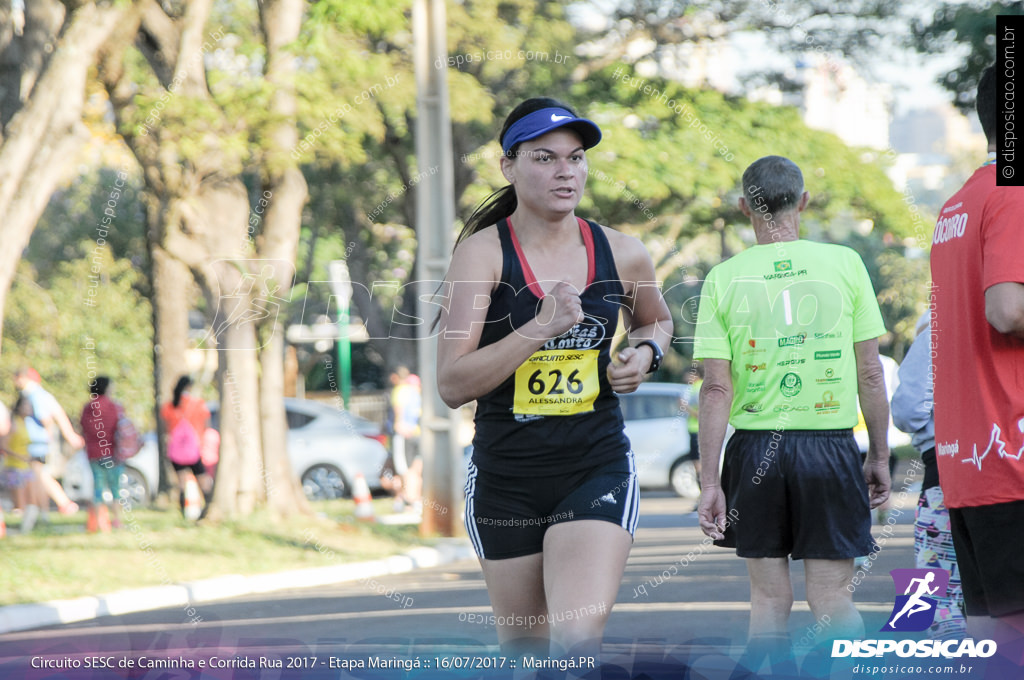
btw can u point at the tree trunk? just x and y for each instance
(240, 489)
(204, 225)
(284, 490)
(44, 129)
(286, 192)
(233, 287)
(171, 281)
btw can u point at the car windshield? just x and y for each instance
(649, 406)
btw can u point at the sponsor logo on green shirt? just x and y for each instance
(792, 340)
(790, 385)
(827, 356)
(830, 378)
(828, 404)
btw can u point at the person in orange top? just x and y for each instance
(186, 418)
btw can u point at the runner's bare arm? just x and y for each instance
(715, 403)
(1004, 308)
(874, 404)
(466, 371)
(645, 314)
(60, 418)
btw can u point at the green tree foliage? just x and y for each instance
(668, 171)
(100, 204)
(682, 152)
(970, 25)
(357, 145)
(87, 318)
(83, 280)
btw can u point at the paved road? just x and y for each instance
(682, 603)
(670, 605)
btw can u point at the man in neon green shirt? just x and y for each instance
(788, 331)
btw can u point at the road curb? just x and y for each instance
(20, 617)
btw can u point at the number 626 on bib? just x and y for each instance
(557, 383)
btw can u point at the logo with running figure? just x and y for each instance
(914, 610)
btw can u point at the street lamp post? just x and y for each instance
(435, 215)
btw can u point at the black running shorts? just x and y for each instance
(798, 493)
(990, 557)
(508, 516)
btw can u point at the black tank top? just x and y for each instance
(557, 414)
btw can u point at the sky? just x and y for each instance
(912, 76)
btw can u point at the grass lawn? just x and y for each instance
(60, 560)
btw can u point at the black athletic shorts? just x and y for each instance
(508, 516)
(990, 556)
(798, 493)
(197, 467)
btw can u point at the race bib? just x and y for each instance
(557, 383)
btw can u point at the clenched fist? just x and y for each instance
(560, 309)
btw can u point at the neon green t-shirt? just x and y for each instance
(787, 315)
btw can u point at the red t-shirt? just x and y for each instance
(99, 422)
(979, 372)
(192, 408)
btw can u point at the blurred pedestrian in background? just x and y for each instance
(405, 406)
(47, 422)
(99, 427)
(913, 411)
(17, 473)
(186, 418)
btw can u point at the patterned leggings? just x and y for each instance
(933, 549)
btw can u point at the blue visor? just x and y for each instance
(540, 122)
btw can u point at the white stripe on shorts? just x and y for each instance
(470, 518)
(631, 508)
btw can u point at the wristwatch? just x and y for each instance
(658, 355)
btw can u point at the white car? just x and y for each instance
(656, 424)
(328, 448)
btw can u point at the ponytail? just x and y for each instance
(496, 207)
(183, 383)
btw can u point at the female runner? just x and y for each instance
(533, 296)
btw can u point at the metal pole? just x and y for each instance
(341, 286)
(435, 215)
(345, 355)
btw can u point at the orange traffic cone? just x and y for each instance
(364, 503)
(193, 500)
(92, 521)
(104, 519)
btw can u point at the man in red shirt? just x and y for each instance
(978, 352)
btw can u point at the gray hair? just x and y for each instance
(773, 185)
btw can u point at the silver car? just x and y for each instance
(329, 447)
(656, 424)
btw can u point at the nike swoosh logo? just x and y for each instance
(555, 118)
